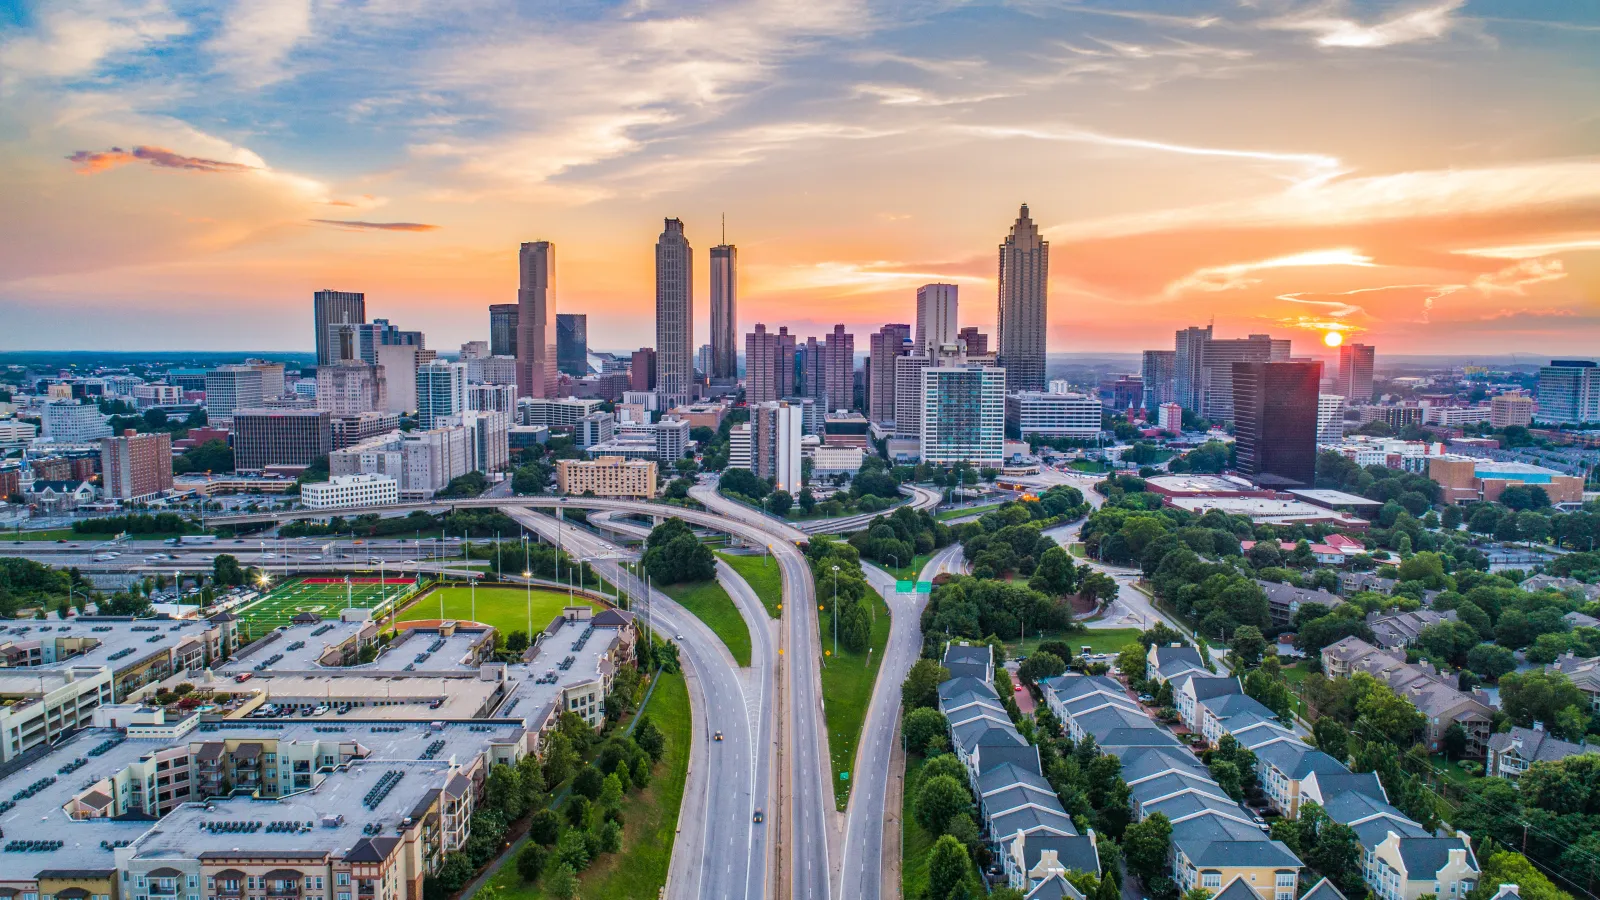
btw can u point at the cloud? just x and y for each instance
(257, 35)
(73, 38)
(355, 225)
(1426, 23)
(1236, 275)
(89, 162)
(1541, 248)
(1515, 278)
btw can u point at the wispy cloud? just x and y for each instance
(72, 37)
(355, 225)
(1425, 23)
(257, 35)
(89, 162)
(1234, 276)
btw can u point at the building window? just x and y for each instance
(1211, 879)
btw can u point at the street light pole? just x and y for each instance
(527, 576)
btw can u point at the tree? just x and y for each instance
(674, 555)
(517, 641)
(572, 848)
(780, 502)
(948, 866)
(544, 827)
(921, 726)
(938, 799)
(225, 569)
(1056, 574)
(1510, 867)
(561, 881)
(1331, 737)
(1248, 646)
(1131, 662)
(1491, 661)
(921, 687)
(1039, 666)
(1537, 696)
(1146, 846)
(589, 783)
(530, 861)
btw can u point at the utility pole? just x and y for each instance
(836, 612)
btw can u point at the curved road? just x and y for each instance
(720, 852)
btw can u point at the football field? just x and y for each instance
(323, 596)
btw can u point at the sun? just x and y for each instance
(1333, 339)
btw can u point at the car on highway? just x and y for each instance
(717, 736)
(757, 818)
(314, 558)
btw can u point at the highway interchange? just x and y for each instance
(774, 753)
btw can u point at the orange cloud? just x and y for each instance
(376, 226)
(89, 162)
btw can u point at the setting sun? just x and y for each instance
(1333, 339)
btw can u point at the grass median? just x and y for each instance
(948, 514)
(761, 573)
(847, 681)
(708, 601)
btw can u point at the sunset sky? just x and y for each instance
(1424, 176)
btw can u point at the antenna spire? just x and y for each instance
(724, 229)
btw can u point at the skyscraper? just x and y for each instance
(936, 317)
(1355, 373)
(136, 466)
(232, 387)
(333, 308)
(977, 342)
(724, 314)
(503, 329)
(839, 370)
(642, 371)
(763, 365)
(674, 315)
(1188, 368)
(351, 387)
(908, 394)
(963, 415)
(572, 344)
(1217, 372)
(1569, 392)
(1275, 410)
(883, 347)
(1157, 374)
(536, 311)
(1024, 300)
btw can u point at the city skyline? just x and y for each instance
(1417, 174)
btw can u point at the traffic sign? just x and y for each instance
(905, 587)
(844, 776)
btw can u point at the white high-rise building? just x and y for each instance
(774, 438)
(724, 348)
(232, 387)
(1053, 414)
(441, 391)
(908, 394)
(1171, 418)
(1569, 392)
(739, 447)
(937, 306)
(501, 398)
(351, 387)
(70, 422)
(399, 365)
(489, 435)
(1330, 417)
(964, 415)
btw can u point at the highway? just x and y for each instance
(921, 498)
(864, 873)
(811, 835)
(720, 852)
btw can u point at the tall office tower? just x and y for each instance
(232, 387)
(1157, 375)
(1330, 417)
(674, 315)
(441, 391)
(936, 317)
(397, 366)
(502, 329)
(333, 308)
(963, 415)
(642, 373)
(272, 383)
(1188, 368)
(572, 344)
(536, 327)
(724, 314)
(883, 347)
(1024, 305)
(1569, 392)
(1217, 372)
(136, 466)
(786, 362)
(908, 394)
(352, 387)
(763, 365)
(1275, 421)
(1510, 409)
(839, 370)
(808, 369)
(1355, 372)
(977, 342)
(474, 350)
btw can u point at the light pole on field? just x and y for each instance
(835, 612)
(528, 577)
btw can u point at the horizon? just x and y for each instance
(1418, 176)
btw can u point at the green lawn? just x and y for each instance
(325, 596)
(847, 681)
(1100, 640)
(761, 573)
(1088, 465)
(911, 570)
(948, 514)
(712, 604)
(915, 841)
(640, 870)
(1078, 550)
(505, 608)
(74, 537)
